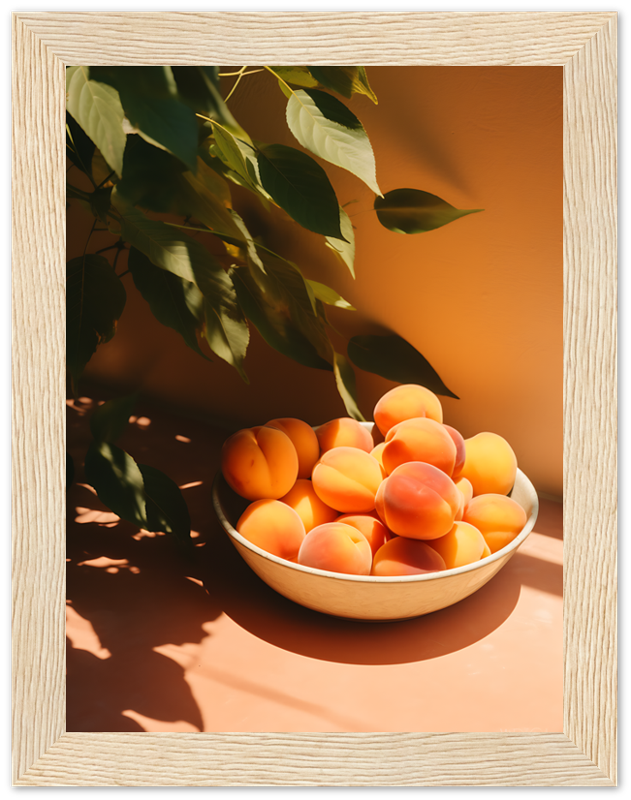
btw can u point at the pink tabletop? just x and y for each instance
(160, 642)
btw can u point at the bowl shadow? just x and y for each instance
(257, 608)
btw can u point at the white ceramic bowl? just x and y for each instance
(365, 596)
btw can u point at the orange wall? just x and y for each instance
(481, 298)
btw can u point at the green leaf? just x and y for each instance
(108, 421)
(79, 147)
(95, 299)
(299, 76)
(175, 302)
(281, 305)
(196, 195)
(414, 211)
(344, 80)
(223, 115)
(345, 380)
(166, 509)
(324, 125)
(344, 250)
(98, 110)
(100, 203)
(151, 177)
(395, 359)
(117, 481)
(239, 156)
(149, 97)
(156, 180)
(226, 329)
(329, 296)
(301, 188)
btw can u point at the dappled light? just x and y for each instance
(184, 439)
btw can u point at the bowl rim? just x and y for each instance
(380, 579)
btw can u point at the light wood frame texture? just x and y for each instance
(585, 754)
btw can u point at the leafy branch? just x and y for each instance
(156, 141)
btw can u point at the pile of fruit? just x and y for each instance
(423, 499)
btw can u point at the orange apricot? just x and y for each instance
(259, 463)
(490, 464)
(497, 517)
(419, 439)
(486, 552)
(464, 544)
(306, 503)
(461, 452)
(401, 556)
(465, 487)
(303, 439)
(336, 547)
(274, 527)
(371, 526)
(344, 432)
(377, 452)
(418, 500)
(406, 402)
(347, 479)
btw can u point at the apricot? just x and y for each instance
(486, 552)
(490, 464)
(464, 485)
(306, 503)
(371, 526)
(303, 439)
(336, 547)
(377, 452)
(418, 500)
(419, 439)
(274, 527)
(347, 479)
(497, 517)
(464, 544)
(406, 402)
(259, 463)
(461, 452)
(401, 556)
(344, 432)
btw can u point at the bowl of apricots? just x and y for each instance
(382, 520)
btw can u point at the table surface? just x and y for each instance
(159, 642)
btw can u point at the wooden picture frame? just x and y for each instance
(585, 754)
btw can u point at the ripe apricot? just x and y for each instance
(464, 485)
(419, 439)
(344, 432)
(371, 526)
(347, 479)
(461, 452)
(486, 552)
(274, 527)
(259, 463)
(406, 402)
(306, 503)
(418, 500)
(401, 556)
(490, 464)
(464, 544)
(303, 439)
(377, 452)
(337, 547)
(497, 517)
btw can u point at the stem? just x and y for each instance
(122, 275)
(116, 257)
(239, 72)
(105, 249)
(189, 228)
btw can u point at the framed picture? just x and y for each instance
(584, 45)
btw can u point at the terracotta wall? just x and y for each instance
(481, 298)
